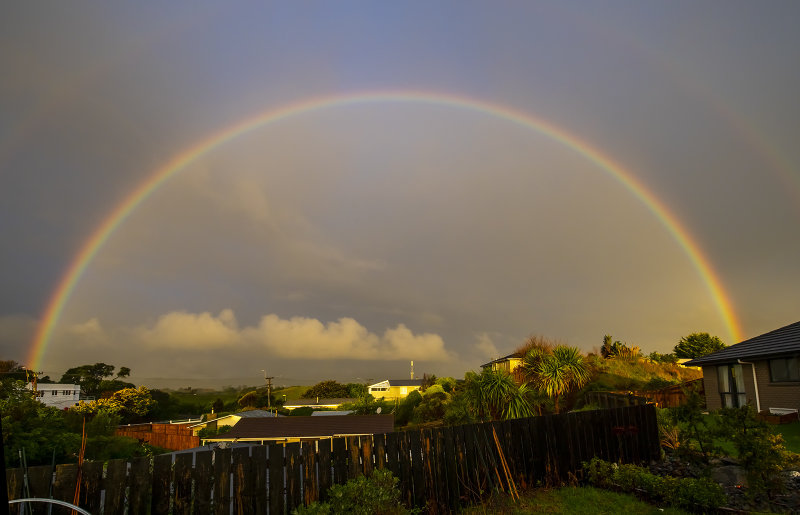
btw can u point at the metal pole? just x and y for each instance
(4, 486)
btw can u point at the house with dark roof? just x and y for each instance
(763, 371)
(232, 419)
(509, 364)
(296, 429)
(394, 388)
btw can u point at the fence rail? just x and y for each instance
(440, 469)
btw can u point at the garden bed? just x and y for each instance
(777, 418)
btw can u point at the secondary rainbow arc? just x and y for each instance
(158, 177)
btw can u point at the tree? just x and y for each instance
(697, 345)
(557, 373)
(495, 396)
(91, 378)
(356, 390)
(132, 404)
(617, 349)
(329, 389)
(40, 430)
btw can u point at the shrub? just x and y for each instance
(761, 453)
(688, 493)
(374, 495)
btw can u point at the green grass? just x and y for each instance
(570, 500)
(292, 393)
(791, 435)
(635, 374)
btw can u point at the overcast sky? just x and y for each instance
(345, 241)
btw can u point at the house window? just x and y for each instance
(785, 369)
(731, 386)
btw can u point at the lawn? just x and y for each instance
(570, 500)
(791, 435)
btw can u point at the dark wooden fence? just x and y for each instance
(440, 469)
(176, 437)
(610, 400)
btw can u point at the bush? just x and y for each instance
(760, 452)
(687, 493)
(373, 495)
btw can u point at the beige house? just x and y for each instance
(509, 364)
(394, 388)
(763, 371)
(57, 395)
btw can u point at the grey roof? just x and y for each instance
(504, 358)
(405, 382)
(331, 413)
(780, 342)
(256, 413)
(308, 427)
(320, 402)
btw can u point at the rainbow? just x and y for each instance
(158, 177)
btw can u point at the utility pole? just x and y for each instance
(268, 380)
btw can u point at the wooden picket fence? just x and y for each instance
(439, 469)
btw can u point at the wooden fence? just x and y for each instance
(176, 437)
(440, 469)
(669, 397)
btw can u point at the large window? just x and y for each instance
(731, 386)
(785, 369)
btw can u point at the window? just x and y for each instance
(53, 392)
(379, 389)
(731, 386)
(785, 369)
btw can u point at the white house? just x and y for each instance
(57, 395)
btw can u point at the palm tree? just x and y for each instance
(494, 396)
(556, 373)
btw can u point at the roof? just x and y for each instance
(405, 382)
(398, 382)
(307, 427)
(780, 342)
(320, 402)
(253, 413)
(331, 413)
(517, 355)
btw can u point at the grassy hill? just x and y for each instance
(637, 374)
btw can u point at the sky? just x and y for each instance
(208, 193)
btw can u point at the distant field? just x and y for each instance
(292, 393)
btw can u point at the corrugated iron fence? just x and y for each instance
(176, 437)
(439, 469)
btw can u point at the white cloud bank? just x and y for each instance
(297, 337)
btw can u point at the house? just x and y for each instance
(57, 395)
(509, 364)
(296, 429)
(318, 403)
(394, 388)
(231, 420)
(763, 371)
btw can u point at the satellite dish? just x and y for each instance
(378, 411)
